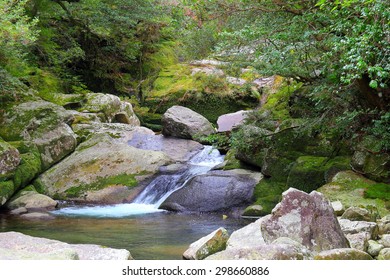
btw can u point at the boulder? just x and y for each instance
(359, 240)
(262, 252)
(208, 245)
(385, 240)
(228, 121)
(182, 122)
(9, 159)
(384, 254)
(99, 163)
(214, 191)
(384, 225)
(306, 218)
(17, 246)
(31, 200)
(357, 214)
(353, 227)
(343, 254)
(126, 115)
(374, 248)
(44, 124)
(246, 237)
(352, 189)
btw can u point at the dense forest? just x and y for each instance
(312, 76)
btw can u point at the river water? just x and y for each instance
(140, 227)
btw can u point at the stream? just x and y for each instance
(140, 227)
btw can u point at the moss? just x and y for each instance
(121, 180)
(7, 188)
(232, 162)
(310, 172)
(381, 191)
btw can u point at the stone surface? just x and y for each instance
(343, 254)
(37, 216)
(384, 225)
(31, 200)
(246, 237)
(359, 240)
(99, 163)
(126, 115)
(374, 248)
(208, 245)
(262, 252)
(182, 122)
(9, 158)
(384, 254)
(338, 207)
(352, 227)
(228, 121)
(214, 191)
(385, 240)
(357, 214)
(236, 81)
(17, 246)
(18, 211)
(306, 218)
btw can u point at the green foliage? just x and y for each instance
(381, 129)
(381, 191)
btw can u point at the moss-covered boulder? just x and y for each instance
(208, 245)
(369, 160)
(353, 189)
(97, 164)
(30, 199)
(310, 172)
(343, 254)
(7, 188)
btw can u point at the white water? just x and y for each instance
(155, 193)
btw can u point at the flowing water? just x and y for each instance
(140, 227)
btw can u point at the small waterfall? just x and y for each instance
(156, 192)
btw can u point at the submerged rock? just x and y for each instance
(214, 191)
(306, 218)
(17, 246)
(182, 122)
(208, 245)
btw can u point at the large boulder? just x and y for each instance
(306, 218)
(214, 191)
(208, 245)
(17, 246)
(182, 122)
(247, 237)
(98, 164)
(228, 121)
(44, 124)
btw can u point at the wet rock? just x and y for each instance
(182, 122)
(228, 121)
(18, 211)
(306, 218)
(214, 191)
(19, 246)
(343, 254)
(357, 214)
(384, 254)
(208, 245)
(37, 216)
(374, 248)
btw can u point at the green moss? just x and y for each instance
(310, 172)
(381, 191)
(29, 168)
(121, 180)
(7, 188)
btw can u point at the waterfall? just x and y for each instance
(156, 191)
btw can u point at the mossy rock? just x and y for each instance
(9, 160)
(30, 166)
(309, 173)
(352, 189)
(7, 189)
(231, 162)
